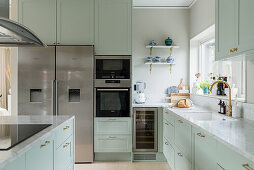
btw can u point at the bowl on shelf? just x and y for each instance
(153, 43)
(157, 59)
(170, 60)
(149, 59)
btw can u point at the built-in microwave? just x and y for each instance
(112, 67)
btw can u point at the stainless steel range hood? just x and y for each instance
(13, 34)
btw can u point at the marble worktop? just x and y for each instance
(16, 151)
(152, 104)
(236, 134)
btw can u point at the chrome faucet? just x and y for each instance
(229, 110)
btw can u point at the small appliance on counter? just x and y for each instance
(140, 97)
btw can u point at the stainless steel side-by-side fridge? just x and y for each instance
(58, 80)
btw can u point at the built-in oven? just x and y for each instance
(112, 102)
(112, 67)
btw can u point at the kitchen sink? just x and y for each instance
(208, 116)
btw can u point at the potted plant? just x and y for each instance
(205, 85)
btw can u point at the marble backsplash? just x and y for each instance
(246, 110)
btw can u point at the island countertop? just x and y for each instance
(21, 148)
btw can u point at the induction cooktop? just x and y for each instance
(13, 134)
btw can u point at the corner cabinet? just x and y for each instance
(113, 27)
(234, 29)
(59, 22)
(40, 17)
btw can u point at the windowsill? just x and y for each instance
(221, 97)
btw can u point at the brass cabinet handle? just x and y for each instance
(58, 43)
(54, 43)
(180, 121)
(166, 112)
(235, 49)
(231, 50)
(112, 119)
(166, 123)
(200, 135)
(180, 154)
(166, 143)
(246, 166)
(45, 144)
(67, 144)
(66, 127)
(112, 137)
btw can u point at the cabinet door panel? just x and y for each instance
(181, 162)
(246, 25)
(40, 17)
(226, 27)
(204, 151)
(41, 156)
(113, 27)
(75, 22)
(168, 131)
(169, 152)
(18, 164)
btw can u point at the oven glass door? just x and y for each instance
(112, 102)
(112, 68)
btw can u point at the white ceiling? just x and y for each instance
(163, 3)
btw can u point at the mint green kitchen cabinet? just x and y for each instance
(75, 22)
(169, 152)
(226, 27)
(18, 164)
(234, 29)
(113, 143)
(245, 25)
(113, 27)
(183, 136)
(168, 131)
(204, 151)
(181, 160)
(41, 156)
(169, 116)
(63, 133)
(231, 160)
(64, 154)
(40, 17)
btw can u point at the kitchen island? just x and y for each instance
(50, 148)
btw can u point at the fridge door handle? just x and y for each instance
(56, 96)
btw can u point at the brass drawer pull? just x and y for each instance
(180, 154)
(180, 121)
(45, 144)
(166, 124)
(112, 119)
(246, 166)
(200, 135)
(112, 137)
(67, 144)
(166, 112)
(67, 127)
(166, 143)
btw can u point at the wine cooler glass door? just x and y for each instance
(145, 137)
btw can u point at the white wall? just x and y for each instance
(202, 16)
(158, 24)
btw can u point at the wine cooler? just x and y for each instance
(145, 130)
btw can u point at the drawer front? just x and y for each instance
(169, 153)
(183, 136)
(112, 143)
(181, 161)
(169, 116)
(168, 131)
(40, 157)
(230, 160)
(112, 126)
(64, 155)
(64, 132)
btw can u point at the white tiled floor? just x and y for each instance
(124, 166)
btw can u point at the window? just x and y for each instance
(232, 70)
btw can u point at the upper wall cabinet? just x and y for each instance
(113, 27)
(40, 17)
(59, 22)
(234, 29)
(75, 22)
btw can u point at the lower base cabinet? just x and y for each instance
(181, 161)
(169, 153)
(18, 164)
(41, 156)
(204, 151)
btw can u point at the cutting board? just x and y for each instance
(174, 97)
